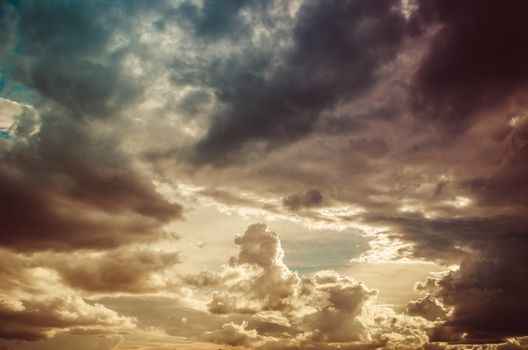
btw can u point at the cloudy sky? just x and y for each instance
(270, 175)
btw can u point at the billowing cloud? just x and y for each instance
(393, 130)
(35, 304)
(34, 319)
(273, 285)
(485, 292)
(312, 312)
(427, 307)
(235, 335)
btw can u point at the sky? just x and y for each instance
(263, 174)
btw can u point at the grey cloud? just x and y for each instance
(67, 55)
(71, 184)
(212, 20)
(372, 148)
(309, 199)
(32, 319)
(337, 47)
(124, 270)
(427, 307)
(102, 204)
(506, 186)
(486, 293)
(211, 279)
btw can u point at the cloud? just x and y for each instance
(311, 198)
(36, 304)
(235, 335)
(69, 61)
(337, 48)
(212, 21)
(326, 310)
(35, 319)
(268, 284)
(337, 318)
(70, 184)
(375, 148)
(486, 292)
(121, 270)
(212, 278)
(403, 121)
(427, 307)
(36, 217)
(505, 186)
(457, 81)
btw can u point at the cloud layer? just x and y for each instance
(137, 137)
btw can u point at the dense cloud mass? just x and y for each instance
(376, 136)
(71, 176)
(337, 47)
(323, 311)
(476, 59)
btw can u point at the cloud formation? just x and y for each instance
(337, 48)
(71, 185)
(121, 270)
(475, 62)
(327, 310)
(395, 130)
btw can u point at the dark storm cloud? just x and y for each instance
(337, 47)
(489, 290)
(506, 186)
(446, 239)
(34, 217)
(477, 59)
(254, 80)
(488, 238)
(69, 184)
(66, 188)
